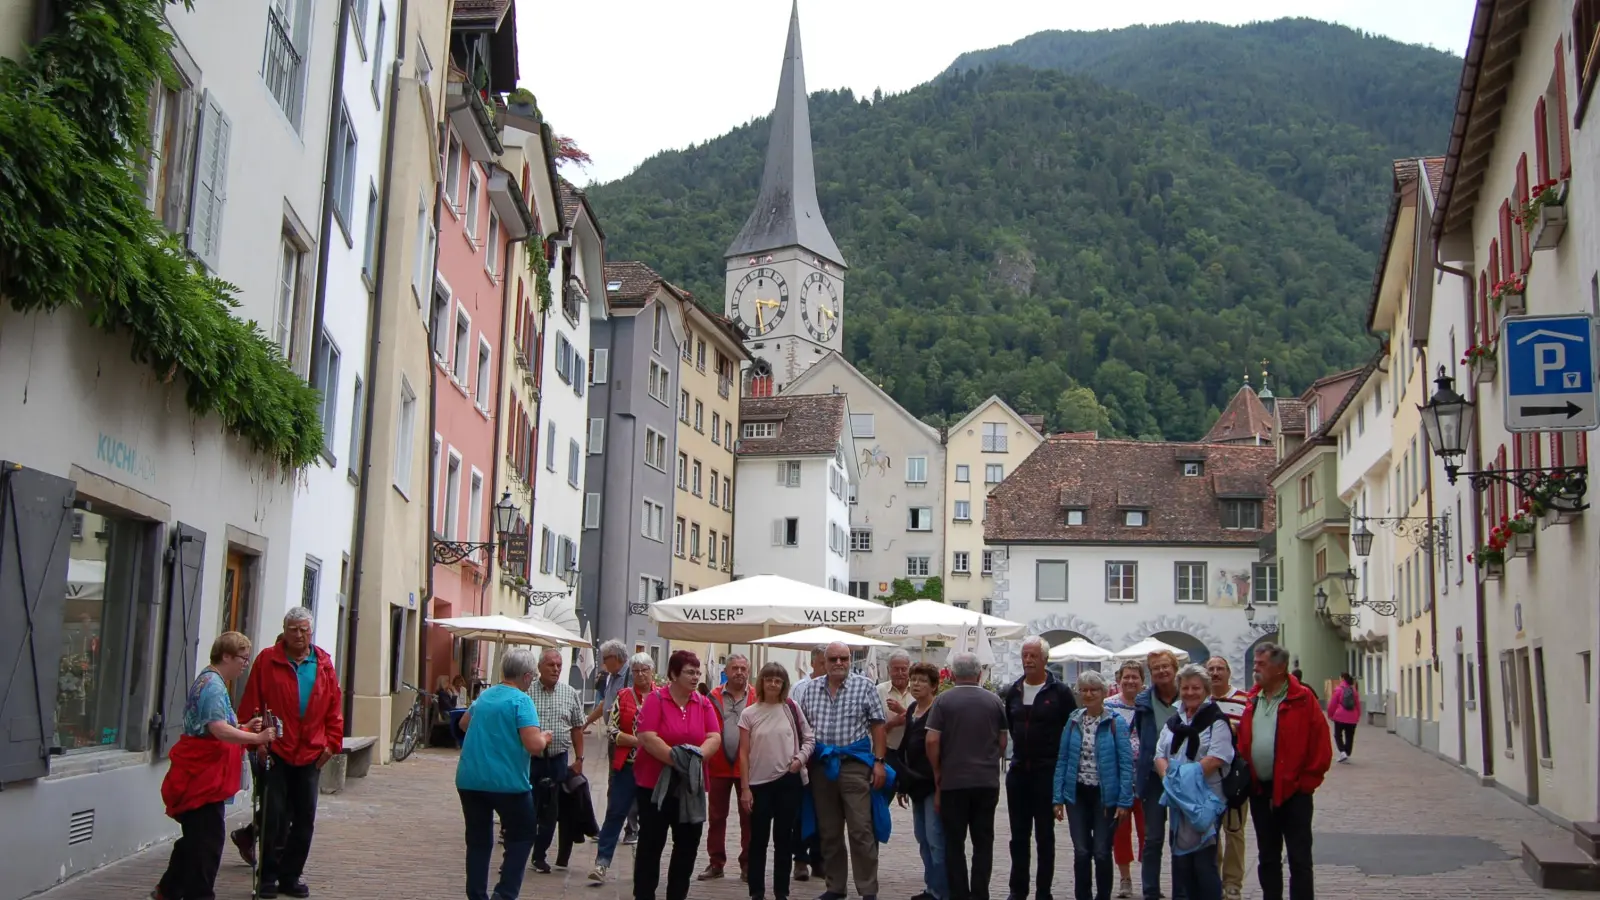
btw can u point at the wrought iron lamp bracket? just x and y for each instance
(448, 553)
(1430, 534)
(1381, 607)
(1563, 489)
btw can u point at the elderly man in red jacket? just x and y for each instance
(722, 770)
(1285, 737)
(295, 681)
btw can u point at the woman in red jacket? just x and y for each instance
(205, 772)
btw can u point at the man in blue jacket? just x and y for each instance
(1151, 710)
(1037, 708)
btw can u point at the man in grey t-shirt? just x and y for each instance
(966, 741)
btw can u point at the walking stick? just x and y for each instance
(258, 810)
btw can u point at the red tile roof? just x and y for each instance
(635, 282)
(1291, 415)
(1245, 421)
(1105, 478)
(808, 424)
(1434, 166)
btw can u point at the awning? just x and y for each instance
(760, 606)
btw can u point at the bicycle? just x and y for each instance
(411, 727)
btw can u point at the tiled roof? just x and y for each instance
(480, 12)
(1291, 415)
(635, 281)
(1245, 421)
(1333, 392)
(808, 424)
(1434, 166)
(573, 201)
(1104, 478)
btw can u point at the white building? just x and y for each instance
(577, 276)
(1117, 541)
(109, 471)
(1364, 430)
(325, 506)
(791, 513)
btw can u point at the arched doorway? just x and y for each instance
(1246, 677)
(1198, 653)
(1067, 671)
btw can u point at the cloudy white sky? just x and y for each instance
(628, 78)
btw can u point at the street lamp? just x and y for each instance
(1250, 616)
(1361, 539)
(1349, 580)
(1346, 619)
(447, 553)
(1448, 419)
(1432, 534)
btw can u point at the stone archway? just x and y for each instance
(1196, 648)
(1066, 671)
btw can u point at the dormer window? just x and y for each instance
(1135, 518)
(1241, 514)
(760, 429)
(1193, 469)
(1076, 517)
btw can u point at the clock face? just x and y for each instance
(819, 306)
(759, 301)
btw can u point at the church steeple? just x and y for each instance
(786, 213)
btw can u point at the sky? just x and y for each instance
(626, 79)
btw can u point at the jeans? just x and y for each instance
(1032, 816)
(1344, 737)
(774, 814)
(654, 825)
(1155, 841)
(478, 809)
(930, 841)
(1285, 827)
(289, 808)
(192, 869)
(619, 802)
(1195, 875)
(548, 773)
(961, 811)
(1092, 827)
(717, 812)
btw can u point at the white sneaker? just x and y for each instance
(598, 874)
(1343, 756)
(1125, 889)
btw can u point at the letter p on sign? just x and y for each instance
(1547, 358)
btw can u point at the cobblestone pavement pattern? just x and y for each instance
(1394, 822)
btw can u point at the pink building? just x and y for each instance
(481, 210)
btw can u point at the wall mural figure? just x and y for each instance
(1230, 588)
(874, 458)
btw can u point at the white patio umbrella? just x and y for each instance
(506, 630)
(1080, 650)
(556, 630)
(819, 637)
(932, 619)
(742, 611)
(1148, 646)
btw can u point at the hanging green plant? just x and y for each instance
(541, 276)
(75, 231)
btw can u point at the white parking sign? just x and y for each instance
(1549, 370)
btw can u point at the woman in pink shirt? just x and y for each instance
(675, 716)
(1344, 708)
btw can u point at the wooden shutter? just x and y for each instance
(181, 635)
(1541, 141)
(600, 369)
(35, 537)
(1523, 236)
(597, 436)
(1564, 138)
(1508, 253)
(1483, 307)
(1518, 461)
(777, 532)
(1557, 451)
(211, 182)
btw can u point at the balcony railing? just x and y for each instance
(281, 65)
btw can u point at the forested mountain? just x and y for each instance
(1319, 109)
(1083, 252)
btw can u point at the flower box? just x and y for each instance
(1513, 304)
(1521, 543)
(1550, 225)
(1557, 517)
(1484, 369)
(1491, 571)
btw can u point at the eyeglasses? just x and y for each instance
(838, 659)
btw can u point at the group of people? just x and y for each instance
(296, 726)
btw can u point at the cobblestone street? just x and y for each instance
(1395, 823)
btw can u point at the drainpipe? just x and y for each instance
(380, 265)
(1480, 612)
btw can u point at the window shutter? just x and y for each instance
(181, 635)
(1524, 237)
(777, 532)
(597, 436)
(1518, 461)
(1565, 168)
(211, 182)
(1557, 452)
(578, 377)
(644, 519)
(591, 511)
(1483, 306)
(35, 531)
(1582, 450)
(783, 473)
(601, 371)
(1541, 141)
(1508, 255)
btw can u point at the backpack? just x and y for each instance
(1347, 697)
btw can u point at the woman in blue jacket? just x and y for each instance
(1094, 785)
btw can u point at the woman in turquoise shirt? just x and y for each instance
(502, 733)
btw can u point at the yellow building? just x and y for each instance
(708, 425)
(980, 451)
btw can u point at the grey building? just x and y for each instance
(632, 438)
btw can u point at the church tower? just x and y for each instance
(785, 282)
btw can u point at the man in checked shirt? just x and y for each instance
(560, 712)
(848, 717)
